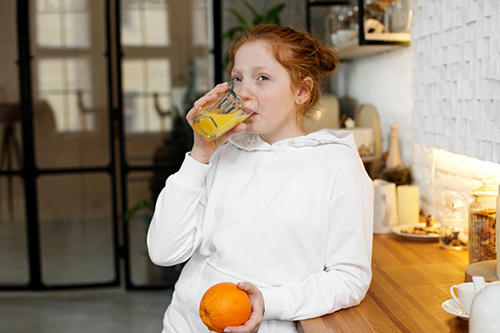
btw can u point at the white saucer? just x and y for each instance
(453, 308)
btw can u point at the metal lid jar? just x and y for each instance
(482, 225)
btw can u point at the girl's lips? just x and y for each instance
(252, 115)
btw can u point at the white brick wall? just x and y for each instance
(456, 47)
(443, 176)
(443, 92)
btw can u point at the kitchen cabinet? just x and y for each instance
(360, 43)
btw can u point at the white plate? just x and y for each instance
(429, 237)
(453, 308)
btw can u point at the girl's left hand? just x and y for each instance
(253, 323)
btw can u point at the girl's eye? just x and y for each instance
(263, 78)
(236, 79)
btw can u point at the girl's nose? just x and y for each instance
(245, 92)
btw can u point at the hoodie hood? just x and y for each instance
(251, 142)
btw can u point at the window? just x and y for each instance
(64, 67)
(161, 41)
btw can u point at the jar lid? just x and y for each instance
(489, 187)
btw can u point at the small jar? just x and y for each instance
(482, 224)
(453, 233)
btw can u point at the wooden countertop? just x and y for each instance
(411, 280)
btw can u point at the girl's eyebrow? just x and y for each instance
(256, 68)
(264, 68)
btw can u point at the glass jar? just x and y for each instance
(482, 225)
(498, 230)
(453, 233)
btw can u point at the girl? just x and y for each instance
(288, 213)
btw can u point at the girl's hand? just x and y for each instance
(203, 149)
(253, 323)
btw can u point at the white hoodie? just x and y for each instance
(294, 218)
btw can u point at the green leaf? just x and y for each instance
(250, 7)
(232, 32)
(258, 20)
(138, 206)
(238, 16)
(273, 14)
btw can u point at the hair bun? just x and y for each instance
(328, 60)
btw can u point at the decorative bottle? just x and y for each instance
(394, 160)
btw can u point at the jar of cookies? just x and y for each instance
(453, 233)
(482, 224)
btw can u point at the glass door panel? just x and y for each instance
(13, 242)
(146, 94)
(75, 228)
(11, 158)
(75, 183)
(146, 73)
(13, 247)
(160, 70)
(70, 84)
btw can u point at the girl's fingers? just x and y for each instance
(212, 93)
(191, 113)
(206, 98)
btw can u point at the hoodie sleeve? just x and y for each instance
(174, 232)
(347, 274)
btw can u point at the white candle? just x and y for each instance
(408, 204)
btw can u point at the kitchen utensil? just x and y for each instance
(485, 309)
(465, 292)
(454, 308)
(227, 110)
(385, 207)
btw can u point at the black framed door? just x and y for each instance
(99, 85)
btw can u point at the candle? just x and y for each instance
(408, 204)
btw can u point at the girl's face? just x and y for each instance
(275, 114)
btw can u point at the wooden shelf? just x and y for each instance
(365, 44)
(375, 43)
(402, 37)
(328, 2)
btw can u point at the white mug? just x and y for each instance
(464, 295)
(385, 215)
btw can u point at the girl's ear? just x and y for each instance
(304, 91)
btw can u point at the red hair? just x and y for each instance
(299, 53)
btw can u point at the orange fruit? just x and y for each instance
(224, 304)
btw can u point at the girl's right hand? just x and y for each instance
(203, 149)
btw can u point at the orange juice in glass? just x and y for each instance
(223, 113)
